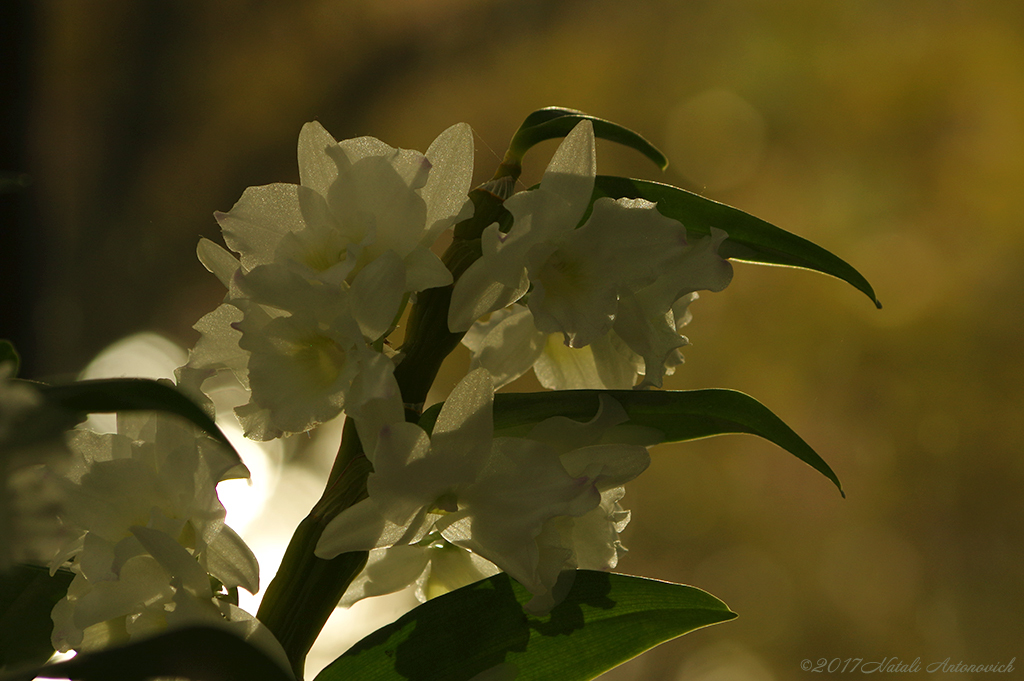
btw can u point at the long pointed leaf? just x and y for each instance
(750, 239)
(678, 415)
(130, 394)
(552, 122)
(605, 620)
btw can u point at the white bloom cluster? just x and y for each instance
(148, 532)
(618, 285)
(533, 506)
(323, 271)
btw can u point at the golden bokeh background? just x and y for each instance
(891, 133)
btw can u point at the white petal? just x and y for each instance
(406, 476)
(566, 434)
(465, 425)
(173, 557)
(363, 147)
(571, 172)
(216, 349)
(217, 260)
(601, 365)
(387, 571)
(377, 293)
(477, 292)
(506, 345)
(316, 169)
(142, 581)
(423, 270)
(607, 465)
(451, 158)
(230, 560)
(359, 527)
(374, 401)
(255, 225)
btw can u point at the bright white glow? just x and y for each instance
(244, 500)
(143, 355)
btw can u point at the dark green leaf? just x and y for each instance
(130, 394)
(8, 353)
(605, 620)
(678, 415)
(27, 595)
(545, 124)
(750, 239)
(198, 653)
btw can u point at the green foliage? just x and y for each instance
(552, 122)
(665, 416)
(605, 620)
(750, 239)
(131, 394)
(197, 653)
(27, 595)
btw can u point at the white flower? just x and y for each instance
(323, 269)
(364, 214)
(508, 344)
(493, 496)
(433, 565)
(624, 269)
(149, 533)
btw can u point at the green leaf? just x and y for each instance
(673, 416)
(27, 595)
(130, 394)
(198, 653)
(750, 239)
(545, 124)
(605, 620)
(8, 353)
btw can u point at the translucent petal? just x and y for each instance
(565, 434)
(465, 426)
(477, 292)
(425, 270)
(316, 169)
(359, 527)
(142, 582)
(607, 465)
(177, 561)
(571, 172)
(506, 345)
(445, 193)
(256, 223)
(230, 560)
(218, 261)
(387, 571)
(374, 401)
(377, 293)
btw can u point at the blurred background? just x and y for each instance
(891, 133)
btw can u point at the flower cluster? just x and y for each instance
(148, 532)
(323, 271)
(587, 290)
(533, 506)
(619, 284)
